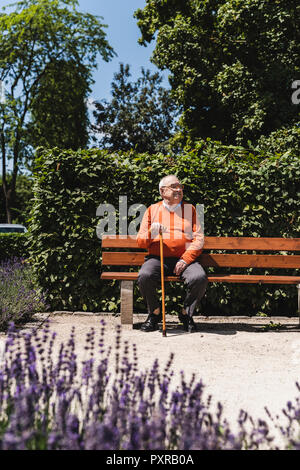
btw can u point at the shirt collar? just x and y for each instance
(173, 208)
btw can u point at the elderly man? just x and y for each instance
(183, 240)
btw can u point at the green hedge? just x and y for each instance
(244, 195)
(13, 245)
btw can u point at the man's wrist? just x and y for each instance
(183, 260)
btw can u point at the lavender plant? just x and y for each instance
(53, 401)
(19, 296)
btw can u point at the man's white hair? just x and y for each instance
(162, 181)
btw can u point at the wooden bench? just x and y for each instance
(232, 260)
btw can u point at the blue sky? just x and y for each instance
(122, 34)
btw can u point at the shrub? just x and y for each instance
(23, 200)
(286, 139)
(19, 296)
(52, 402)
(13, 245)
(244, 194)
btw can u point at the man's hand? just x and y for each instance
(180, 266)
(157, 228)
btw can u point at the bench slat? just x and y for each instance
(212, 260)
(118, 241)
(218, 243)
(237, 278)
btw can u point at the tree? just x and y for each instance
(59, 116)
(140, 115)
(34, 38)
(22, 203)
(232, 63)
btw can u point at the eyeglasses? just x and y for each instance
(175, 186)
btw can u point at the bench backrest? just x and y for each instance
(133, 258)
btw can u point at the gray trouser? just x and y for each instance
(149, 280)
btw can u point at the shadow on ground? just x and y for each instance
(231, 327)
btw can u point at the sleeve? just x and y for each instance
(195, 247)
(144, 234)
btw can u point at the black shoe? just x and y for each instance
(192, 327)
(188, 322)
(184, 320)
(151, 324)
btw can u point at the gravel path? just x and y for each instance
(242, 365)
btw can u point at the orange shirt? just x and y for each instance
(184, 237)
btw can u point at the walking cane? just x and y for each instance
(162, 283)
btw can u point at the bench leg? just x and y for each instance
(126, 302)
(298, 287)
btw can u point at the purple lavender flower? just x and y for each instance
(53, 402)
(19, 296)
